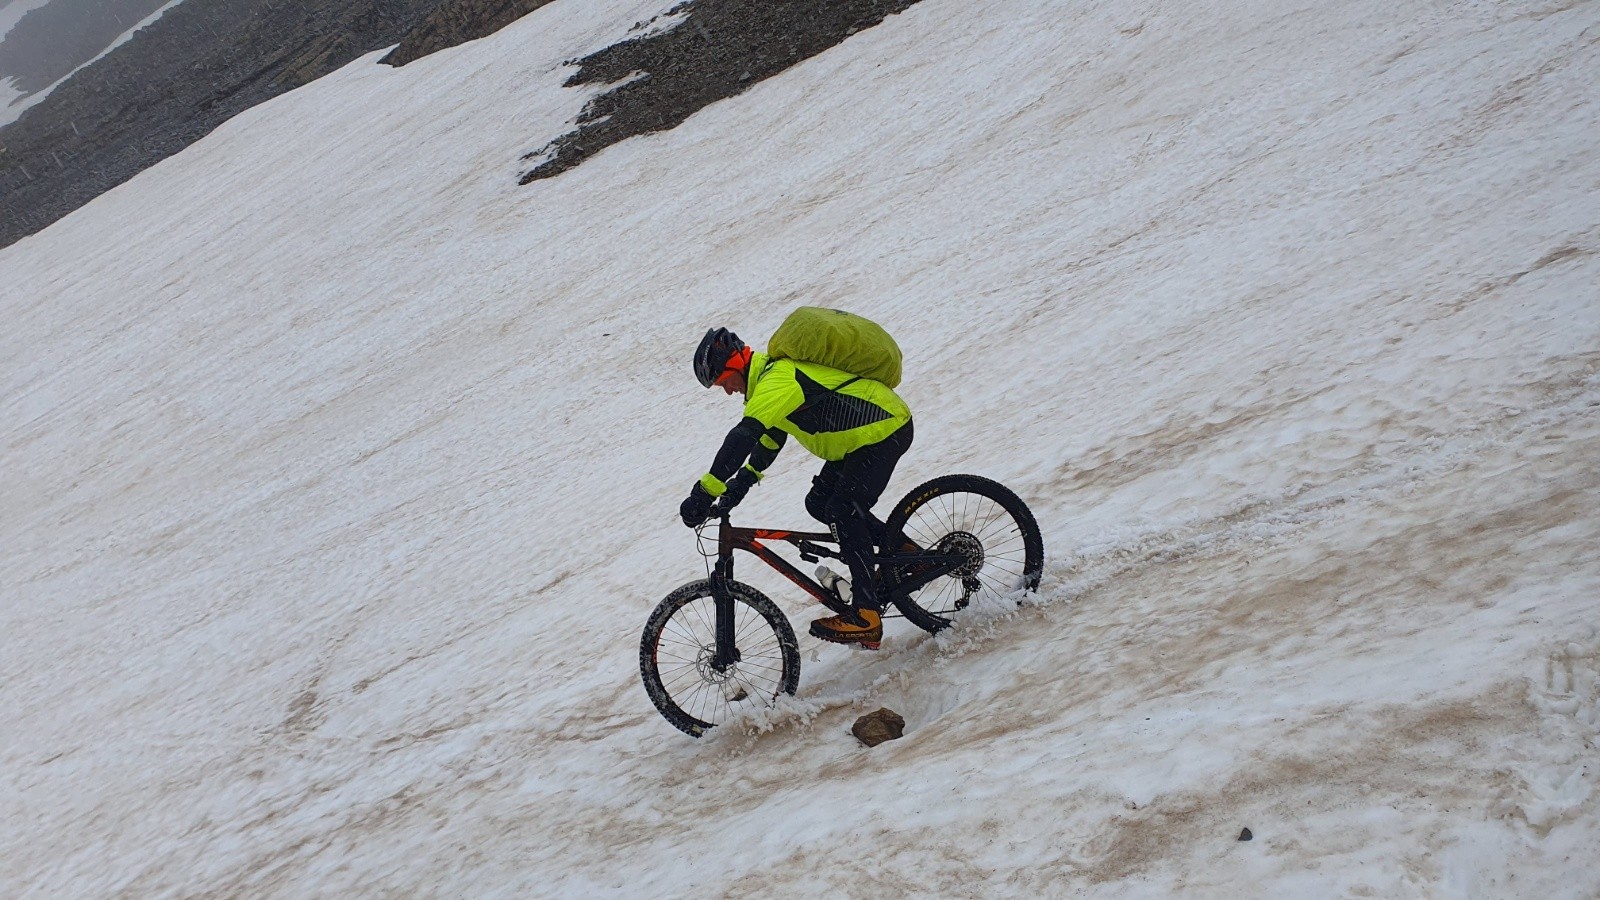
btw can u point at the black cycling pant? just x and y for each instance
(842, 496)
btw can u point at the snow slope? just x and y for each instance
(340, 473)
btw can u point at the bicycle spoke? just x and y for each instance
(679, 675)
(708, 618)
(684, 682)
(681, 629)
(985, 521)
(939, 601)
(690, 657)
(759, 665)
(992, 525)
(746, 620)
(683, 685)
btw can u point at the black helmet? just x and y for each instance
(711, 357)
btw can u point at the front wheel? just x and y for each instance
(979, 519)
(676, 657)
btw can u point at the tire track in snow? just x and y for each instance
(1170, 618)
(1254, 525)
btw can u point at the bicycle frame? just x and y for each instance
(809, 544)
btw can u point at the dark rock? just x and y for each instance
(456, 22)
(1245, 835)
(874, 728)
(721, 48)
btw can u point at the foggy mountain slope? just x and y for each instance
(12, 12)
(340, 480)
(165, 86)
(48, 42)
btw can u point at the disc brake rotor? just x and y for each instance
(708, 672)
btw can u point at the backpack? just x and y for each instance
(838, 340)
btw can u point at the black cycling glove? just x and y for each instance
(696, 508)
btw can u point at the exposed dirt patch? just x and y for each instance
(304, 713)
(1409, 762)
(719, 48)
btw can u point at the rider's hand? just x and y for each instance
(696, 508)
(738, 486)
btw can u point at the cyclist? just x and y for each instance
(859, 427)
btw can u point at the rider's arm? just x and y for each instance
(766, 451)
(743, 440)
(757, 437)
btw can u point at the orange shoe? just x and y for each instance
(866, 630)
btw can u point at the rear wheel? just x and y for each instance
(978, 519)
(680, 639)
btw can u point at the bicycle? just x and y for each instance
(716, 647)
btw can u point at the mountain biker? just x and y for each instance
(859, 427)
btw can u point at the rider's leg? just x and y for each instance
(859, 481)
(840, 477)
(855, 483)
(834, 501)
(822, 488)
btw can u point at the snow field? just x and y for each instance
(341, 471)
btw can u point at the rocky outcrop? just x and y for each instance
(456, 22)
(717, 49)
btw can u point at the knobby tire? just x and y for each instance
(678, 642)
(973, 515)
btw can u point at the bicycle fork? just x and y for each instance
(726, 654)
